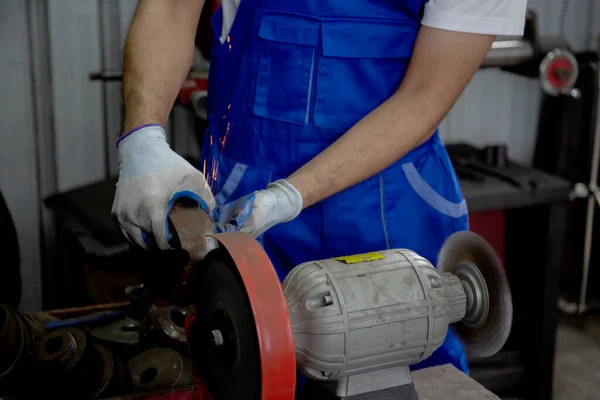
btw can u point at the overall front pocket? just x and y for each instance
(287, 46)
(362, 64)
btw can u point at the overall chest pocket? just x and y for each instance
(361, 65)
(287, 46)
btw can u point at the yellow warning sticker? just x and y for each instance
(358, 258)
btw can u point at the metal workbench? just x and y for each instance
(495, 194)
(535, 225)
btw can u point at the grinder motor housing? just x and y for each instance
(351, 319)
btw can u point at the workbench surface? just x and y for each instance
(495, 194)
(448, 383)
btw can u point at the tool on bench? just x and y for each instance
(73, 367)
(159, 368)
(352, 325)
(92, 319)
(474, 164)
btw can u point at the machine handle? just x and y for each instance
(572, 92)
(107, 75)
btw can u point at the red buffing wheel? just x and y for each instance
(241, 340)
(558, 70)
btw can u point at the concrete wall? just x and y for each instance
(57, 127)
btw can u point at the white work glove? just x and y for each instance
(256, 213)
(151, 178)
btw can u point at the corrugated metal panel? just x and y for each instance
(111, 34)
(44, 117)
(595, 29)
(18, 161)
(79, 127)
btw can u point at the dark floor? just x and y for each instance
(577, 363)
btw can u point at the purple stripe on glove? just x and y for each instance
(135, 130)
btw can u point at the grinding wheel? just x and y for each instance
(488, 319)
(241, 340)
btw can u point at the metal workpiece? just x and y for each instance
(391, 311)
(107, 375)
(34, 329)
(19, 336)
(124, 331)
(192, 230)
(167, 325)
(63, 350)
(74, 367)
(11, 341)
(159, 368)
(167, 273)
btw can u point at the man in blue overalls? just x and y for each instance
(323, 119)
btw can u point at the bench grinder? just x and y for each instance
(352, 325)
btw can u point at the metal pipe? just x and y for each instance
(107, 75)
(591, 206)
(508, 52)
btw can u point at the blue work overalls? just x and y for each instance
(291, 78)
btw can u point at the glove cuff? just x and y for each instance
(293, 196)
(145, 127)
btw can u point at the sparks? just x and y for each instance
(224, 140)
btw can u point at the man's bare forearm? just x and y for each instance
(442, 65)
(158, 54)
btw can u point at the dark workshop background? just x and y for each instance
(58, 127)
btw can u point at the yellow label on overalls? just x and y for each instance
(358, 258)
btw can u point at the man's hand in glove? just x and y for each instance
(254, 214)
(151, 178)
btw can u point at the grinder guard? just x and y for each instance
(242, 334)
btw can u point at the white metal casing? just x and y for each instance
(350, 319)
